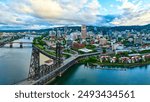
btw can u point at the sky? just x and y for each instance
(42, 14)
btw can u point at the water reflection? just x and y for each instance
(15, 62)
(84, 74)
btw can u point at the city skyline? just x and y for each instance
(48, 56)
(39, 14)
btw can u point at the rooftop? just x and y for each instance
(85, 50)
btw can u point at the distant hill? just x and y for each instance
(91, 28)
(123, 28)
(138, 28)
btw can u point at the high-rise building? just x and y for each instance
(138, 40)
(83, 32)
(1, 34)
(102, 41)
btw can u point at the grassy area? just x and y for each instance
(51, 53)
(38, 42)
(40, 46)
(89, 60)
(145, 51)
(66, 56)
(90, 47)
(69, 51)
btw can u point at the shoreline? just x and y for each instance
(117, 65)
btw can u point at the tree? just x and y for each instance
(90, 46)
(119, 39)
(104, 50)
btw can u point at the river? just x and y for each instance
(15, 62)
(83, 75)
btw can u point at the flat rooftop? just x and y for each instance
(85, 50)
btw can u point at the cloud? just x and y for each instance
(48, 9)
(54, 12)
(37, 27)
(7, 17)
(128, 6)
(133, 13)
(62, 11)
(36, 14)
(66, 11)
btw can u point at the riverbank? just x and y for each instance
(9, 40)
(128, 65)
(80, 74)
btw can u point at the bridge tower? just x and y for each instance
(58, 54)
(58, 51)
(35, 68)
(34, 71)
(21, 45)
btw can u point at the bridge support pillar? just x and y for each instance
(1, 44)
(34, 71)
(21, 45)
(11, 45)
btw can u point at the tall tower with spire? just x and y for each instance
(83, 32)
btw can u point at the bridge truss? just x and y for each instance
(36, 71)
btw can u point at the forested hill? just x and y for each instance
(91, 28)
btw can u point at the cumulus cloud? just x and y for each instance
(52, 11)
(133, 13)
(7, 17)
(66, 11)
(32, 14)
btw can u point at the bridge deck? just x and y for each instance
(66, 62)
(19, 42)
(32, 82)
